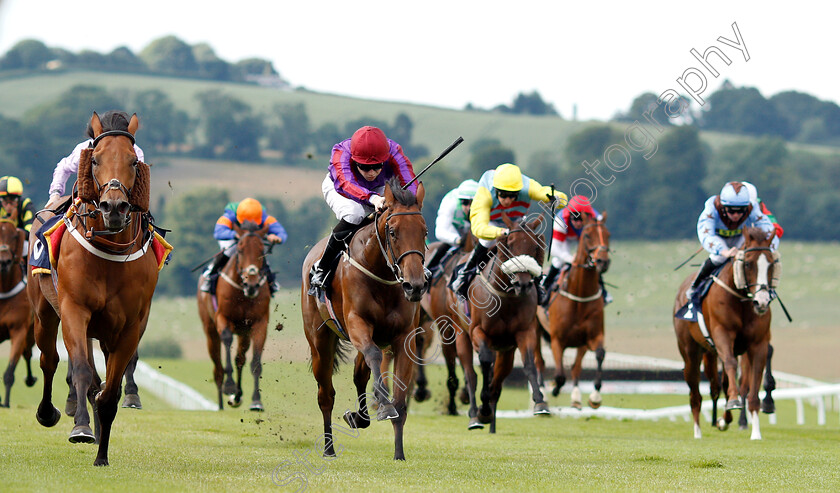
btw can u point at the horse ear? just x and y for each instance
(141, 189)
(389, 195)
(236, 229)
(421, 193)
(84, 176)
(95, 125)
(535, 224)
(507, 220)
(604, 217)
(133, 124)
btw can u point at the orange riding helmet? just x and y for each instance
(249, 210)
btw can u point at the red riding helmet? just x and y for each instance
(369, 146)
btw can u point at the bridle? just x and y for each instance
(748, 287)
(520, 263)
(590, 263)
(250, 270)
(387, 249)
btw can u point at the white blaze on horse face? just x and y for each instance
(762, 297)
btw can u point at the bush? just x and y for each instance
(167, 348)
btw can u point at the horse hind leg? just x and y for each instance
(768, 405)
(595, 397)
(132, 398)
(710, 369)
(229, 387)
(71, 402)
(18, 340)
(359, 419)
(241, 349)
(256, 365)
(46, 328)
(576, 369)
(486, 359)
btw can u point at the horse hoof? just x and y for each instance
(577, 405)
(734, 404)
(355, 421)
(541, 409)
(51, 420)
(30, 381)
(388, 411)
(768, 406)
(452, 411)
(82, 434)
(594, 405)
(475, 424)
(70, 407)
(230, 388)
(132, 401)
(743, 427)
(234, 401)
(485, 418)
(722, 425)
(555, 391)
(257, 406)
(100, 462)
(421, 395)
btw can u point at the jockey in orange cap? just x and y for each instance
(238, 213)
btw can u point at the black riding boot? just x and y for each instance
(438, 260)
(607, 296)
(212, 271)
(543, 287)
(461, 283)
(703, 273)
(270, 278)
(322, 269)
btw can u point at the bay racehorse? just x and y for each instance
(575, 316)
(99, 288)
(241, 307)
(502, 317)
(16, 318)
(375, 296)
(736, 322)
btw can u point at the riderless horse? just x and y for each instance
(373, 302)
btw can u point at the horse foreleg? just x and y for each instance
(71, 402)
(744, 387)
(107, 401)
(242, 346)
(768, 406)
(361, 376)
(450, 356)
(226, 336)
(539, 361)
(465, 355)
(595, 396)
(78, 351)
(258, 333)
(486, 358)
(132, 398)
(711, 371)
(403, 369)
(323, 349)
(18, 340)
(690, 352)
(421, 391)
(502, 368)
(373, 358)
(559, 373)
(730, 366)
(758, 358)
(527, 342)
(576, 369)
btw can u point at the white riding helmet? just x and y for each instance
(735, 194)
(752, 191)
(467, 189)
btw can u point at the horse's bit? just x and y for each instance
(388, 249)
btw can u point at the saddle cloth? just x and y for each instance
(689, 310)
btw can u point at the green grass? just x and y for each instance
(164, 450)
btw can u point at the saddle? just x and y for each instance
(689, 311)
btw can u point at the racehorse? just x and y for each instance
(103, 287)
(502, 306)
(16, 318)
(575, 317)
(244, 302)
(436, 311)
(375, 296)
(736, 312)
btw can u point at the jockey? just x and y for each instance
(504, 189)
(236, 213)
(452, 224)
(70, 164)
(721, 224)
(568, 224)
(11, 198)
(354, 187)
(764, 210)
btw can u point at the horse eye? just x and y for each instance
(748, 265)
(392, 233)
(93, 161)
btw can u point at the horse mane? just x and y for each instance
(755, 235)
(404, 197)
(250, 226)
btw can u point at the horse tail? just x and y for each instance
(342, 353)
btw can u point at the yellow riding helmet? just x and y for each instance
(249, 210)
(508, 177)
(9, 185)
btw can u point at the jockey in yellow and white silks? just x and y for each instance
(501, 190)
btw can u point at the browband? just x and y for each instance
(112, 133)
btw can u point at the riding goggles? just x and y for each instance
(370, 167)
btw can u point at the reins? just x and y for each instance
(387, 250)
(588, 265)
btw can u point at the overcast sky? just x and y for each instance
(595, 55)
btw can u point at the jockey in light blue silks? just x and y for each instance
(721, 224)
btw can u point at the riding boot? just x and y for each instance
(607, 296)
(544, 285)
(270, 278)
(461, 283)
(435, 259)
(212, 271)
(321, 270)
(703, 273)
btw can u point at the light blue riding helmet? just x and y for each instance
(735, 194)
(467, 189)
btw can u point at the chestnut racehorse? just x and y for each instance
(16, 318)
(503, 304)
(375, 296)
(103, 287)
(736, 312)
(244, 303)
(575, 317)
